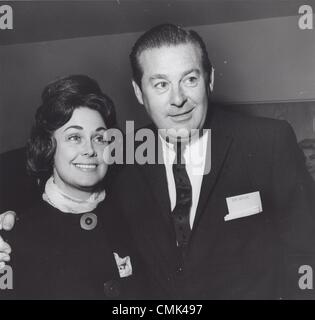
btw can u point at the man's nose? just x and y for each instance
(178, 98)
(88, 149)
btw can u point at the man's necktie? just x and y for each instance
(181, 211)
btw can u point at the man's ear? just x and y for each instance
(137, 91)
(211, 80)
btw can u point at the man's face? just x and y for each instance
(174, 89)
(310, 161)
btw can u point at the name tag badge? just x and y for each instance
(243, 205)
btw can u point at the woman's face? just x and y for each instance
(78, 160)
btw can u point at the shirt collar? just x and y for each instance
(194, 150)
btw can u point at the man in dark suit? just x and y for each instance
(240, 230)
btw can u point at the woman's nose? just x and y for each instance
(88, 149)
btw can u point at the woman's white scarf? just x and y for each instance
(65, 203)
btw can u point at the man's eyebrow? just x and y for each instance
(164, 76)
(73, 127)
(191, 71)
(158, 76)
(100, 129)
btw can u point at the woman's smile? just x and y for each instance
(86, 167)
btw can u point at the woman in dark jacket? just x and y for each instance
(66, 246)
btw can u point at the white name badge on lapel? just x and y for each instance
(243, 205)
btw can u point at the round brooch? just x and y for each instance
(88, 221)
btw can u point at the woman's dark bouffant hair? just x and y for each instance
(59, 99)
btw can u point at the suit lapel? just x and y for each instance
(159, 221)
(155, 176)
(218, 145)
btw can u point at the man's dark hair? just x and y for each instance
(59, 100)
(166, 35)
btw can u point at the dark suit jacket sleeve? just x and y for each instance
(18, 191)
(295, 207)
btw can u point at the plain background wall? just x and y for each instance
(257, 62)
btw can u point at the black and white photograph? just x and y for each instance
(159, 151)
